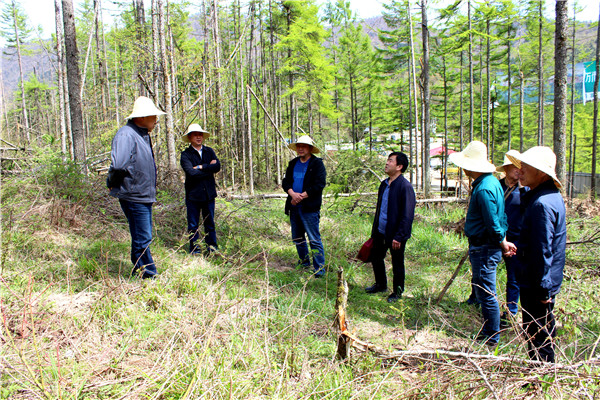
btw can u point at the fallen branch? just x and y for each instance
(454, 275)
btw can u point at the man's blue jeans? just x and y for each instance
(207, 208)
(484, 260)
(139, 217)
(512, 286)
(307, 224)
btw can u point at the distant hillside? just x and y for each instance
(36, 61)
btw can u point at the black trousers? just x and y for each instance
(539, 326)
(380, 248)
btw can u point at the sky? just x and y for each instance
(41, 12)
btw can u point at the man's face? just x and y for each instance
(530, 176)
(512, 174)
(196, 138)
(148, 122)
(391, 167)
(302, 149)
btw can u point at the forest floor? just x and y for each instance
(245, 323)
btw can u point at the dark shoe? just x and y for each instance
(472, 300)
(300, 265)
(320, 273)
(375, 289)
(392, 298)
(487, 340)
(504, 321)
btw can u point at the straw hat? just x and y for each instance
(194, 128)
(305, 140)
(144, 107)
(473, 158)
(507, 161)
(541, 158)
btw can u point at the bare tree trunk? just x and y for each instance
(509, 78)
(102, 78)
(140, 37)
(471, 99)
(426, 100)
(488, 89)
(74, 80)
(540, 79)
(572, 128)
(595, 126)
(415, 94)
(172, 157)
(250, 163)
(21, 76)
(60, 71)
(521, 111)
(560, 89)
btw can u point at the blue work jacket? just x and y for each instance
(132, 172)
(541, 247)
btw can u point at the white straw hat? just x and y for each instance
(305, 140)
(473, 158)
(144, 107)
(194, 128)
(507, 161)
(541, 158)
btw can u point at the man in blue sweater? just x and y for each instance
(485, 227)
(200, 164)
(304, 182)
(132, 179)
(541, 248)
(392, 225)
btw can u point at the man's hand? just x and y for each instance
(548, 301)
(213, 162)
(396, 245)
(508, 249)
(296, 197)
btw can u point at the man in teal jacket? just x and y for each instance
(485, 227)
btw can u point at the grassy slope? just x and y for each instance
(246, 324)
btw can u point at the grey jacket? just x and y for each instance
(132, 172)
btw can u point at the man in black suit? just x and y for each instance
(392, 226)
(200, 164)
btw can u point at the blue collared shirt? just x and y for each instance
(384, 207)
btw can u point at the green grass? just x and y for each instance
(246, 324)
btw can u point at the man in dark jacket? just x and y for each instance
(392, 226)
(541, 248)
(513, 192)
(200, 164)
(304, 182)
(132, 179)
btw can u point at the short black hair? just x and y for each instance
(401, 159)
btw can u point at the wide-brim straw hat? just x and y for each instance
(194, 128)
(541, 158)
(305, 140)
(507, 160)
(473, 158)
(144, 107)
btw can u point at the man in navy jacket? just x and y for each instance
(200, 164)
(541, 248)
(132, 179)
(392, 226)
(304, 182)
